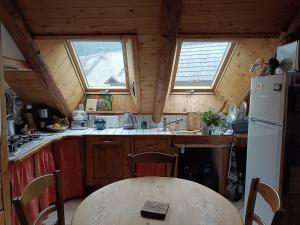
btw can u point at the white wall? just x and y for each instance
(9, 48)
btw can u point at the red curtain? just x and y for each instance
(45, 165)
(69, 163)
(21, 174)
(151, 169)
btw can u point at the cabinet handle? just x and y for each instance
(151, 146)
(107, 141)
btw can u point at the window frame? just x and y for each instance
(81, 73)
(220, 72)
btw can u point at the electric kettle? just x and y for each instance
(128, 121)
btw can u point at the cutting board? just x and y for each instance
(193, 121)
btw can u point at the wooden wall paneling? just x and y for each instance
(15, 64)
(28, 87)
(171, 13)
(5, 214)
(14, 23)
(56, 56)
(236, 79)
(292, 33)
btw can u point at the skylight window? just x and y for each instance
(101, 62)
(200, 63)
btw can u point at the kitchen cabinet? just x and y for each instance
(106, 159)
(152, 144)
(69, 160)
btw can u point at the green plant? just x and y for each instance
(211, 117)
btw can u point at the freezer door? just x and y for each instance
(267, 98)
(263, 161)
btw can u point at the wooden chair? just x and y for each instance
(33, 189)
(270, 195)
(151, 157)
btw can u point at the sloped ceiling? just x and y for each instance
(143, 17)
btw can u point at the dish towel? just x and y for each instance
(232, 176)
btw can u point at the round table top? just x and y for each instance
(190, 203)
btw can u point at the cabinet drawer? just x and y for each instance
(104, 140)
(151, 145)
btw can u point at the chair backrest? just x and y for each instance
(33, 189)
(151, 157)
(270, 195)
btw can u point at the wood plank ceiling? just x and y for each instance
(143, 17)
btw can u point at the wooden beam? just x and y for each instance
(171, 13)
(14, 23)
(5, 197)
(290, 35)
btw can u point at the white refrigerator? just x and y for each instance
(265, 136)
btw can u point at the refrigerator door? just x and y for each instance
(263, 161)
(267, 98)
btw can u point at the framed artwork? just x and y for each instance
(98, 102)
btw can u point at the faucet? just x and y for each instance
(165, 123)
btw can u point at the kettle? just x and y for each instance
(100, 123)
(128, 121)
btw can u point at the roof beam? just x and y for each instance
(171, 13)
(14, 23)
(290, 35)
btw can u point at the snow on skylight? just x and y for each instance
(102, 62)
(199, 63)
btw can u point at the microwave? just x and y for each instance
(288, 57)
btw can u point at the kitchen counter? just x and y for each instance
(49, 138)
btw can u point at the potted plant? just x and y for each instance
(211, 119)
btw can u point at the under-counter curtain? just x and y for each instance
(45, 165)
(21, 174)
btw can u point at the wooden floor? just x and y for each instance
(70, 207)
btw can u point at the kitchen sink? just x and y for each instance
(185, 132)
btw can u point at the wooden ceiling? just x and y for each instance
(144, 16)
(217, 18)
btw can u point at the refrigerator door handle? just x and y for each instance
(264, 124)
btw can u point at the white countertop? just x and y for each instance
(88, 132)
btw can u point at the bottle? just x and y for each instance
(29, 117)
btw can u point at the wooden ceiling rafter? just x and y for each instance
(285, 37)
(14, 23)
(171, 14)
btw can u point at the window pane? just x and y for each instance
(102, 63)
(199, 63)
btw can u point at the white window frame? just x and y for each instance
(219, 72)
(82, 76)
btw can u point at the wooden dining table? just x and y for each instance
(190, 203)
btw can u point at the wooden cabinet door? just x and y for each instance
(68, 157)
(106, 160)
(152, 144)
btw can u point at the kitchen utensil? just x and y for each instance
(193, 121)
(11, 127)
(100, 123)
(79, 115)
(79, 125)
(128, 120)
(144, 125)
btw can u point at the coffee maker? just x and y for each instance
(43, 117)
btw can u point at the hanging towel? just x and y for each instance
(232, 176)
